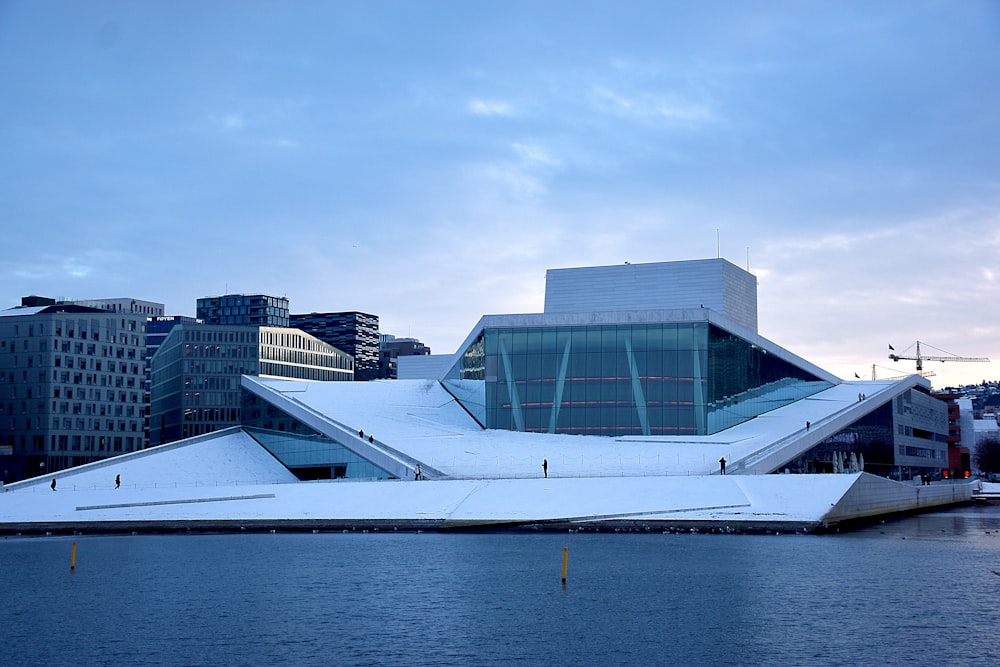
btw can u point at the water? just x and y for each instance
(918, 591)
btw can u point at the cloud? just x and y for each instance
(490, 108)
(513, 179)
(532, 153)
(284, 143)
(230, 122)
(652, 106)
(75, 268)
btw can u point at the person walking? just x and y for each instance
(118, 481)
(545, 467)
(418, 474)
(53, 484)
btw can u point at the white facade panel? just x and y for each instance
(423, 366)
(712, 283)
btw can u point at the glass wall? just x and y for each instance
(307, 453)
(870, 438)
(745, 380)
(645, 379)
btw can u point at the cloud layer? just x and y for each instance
(427, 162)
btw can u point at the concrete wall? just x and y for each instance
(874, 496)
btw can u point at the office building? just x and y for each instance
(352, 332)
(252, 310)
(392, 348)
(71, 385)
(195, 374)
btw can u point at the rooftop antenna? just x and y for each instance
(718, 244)
(748, 259)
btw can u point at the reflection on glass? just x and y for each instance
(644, 379)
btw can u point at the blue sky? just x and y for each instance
(428, 161)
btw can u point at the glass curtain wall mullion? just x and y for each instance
(560, 385)
(638, 396)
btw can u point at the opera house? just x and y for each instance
(642, 397)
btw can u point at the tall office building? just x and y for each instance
(195, 374)
(254, 310)
(351, 332)
(71, 389)
(157, 329)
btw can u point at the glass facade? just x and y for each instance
(900, 439)
(244, 310)
(195, 374)
(870, 437)
(688, 378)
(352, 332)
(308, 454)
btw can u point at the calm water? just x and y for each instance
(918, 591)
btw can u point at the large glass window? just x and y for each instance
(641, 379)
(308, 454)
(870, 439)
(745, 381)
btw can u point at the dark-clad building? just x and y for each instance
(352, 332)
(254, 310)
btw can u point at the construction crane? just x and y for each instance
(921, 358)
(923, 374)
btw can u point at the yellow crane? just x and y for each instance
(921, 358)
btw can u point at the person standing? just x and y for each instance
(722, 466)
(545, 467)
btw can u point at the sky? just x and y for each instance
(427, 161)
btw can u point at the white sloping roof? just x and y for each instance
(422, 421)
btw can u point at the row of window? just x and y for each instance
(78, 424)
(80, 329)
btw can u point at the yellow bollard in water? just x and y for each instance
(72, 558)
(565, 559)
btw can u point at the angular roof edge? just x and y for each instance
(639, 317)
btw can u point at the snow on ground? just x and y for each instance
(166, 487)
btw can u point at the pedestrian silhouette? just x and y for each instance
(118, 481)
(722, 466)
(371, 438)
(418, 474)
(545, 467)
(361, 434)
(53, 483)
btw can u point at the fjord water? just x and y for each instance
(915, 591)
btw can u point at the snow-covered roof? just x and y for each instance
(421, 420)
(228, 479)
(22, 310)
